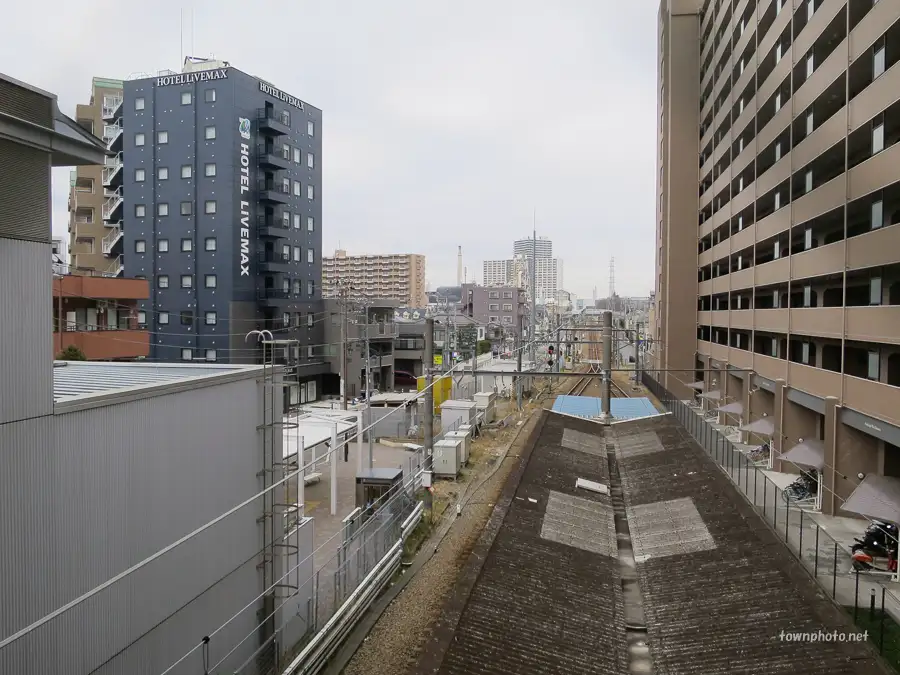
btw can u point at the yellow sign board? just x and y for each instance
(438, 359)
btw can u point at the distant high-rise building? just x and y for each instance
(394, 276)
(542, 248)
(496, 272)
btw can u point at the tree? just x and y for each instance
(71, 353)
(484, 346)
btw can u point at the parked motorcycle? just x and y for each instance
(805, 487)
(876, 550)
(759, 453)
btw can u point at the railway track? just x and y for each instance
(582, 385)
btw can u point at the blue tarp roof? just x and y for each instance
(589, 406)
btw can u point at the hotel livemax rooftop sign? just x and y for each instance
(190, 78)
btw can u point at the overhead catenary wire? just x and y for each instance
(202, 528)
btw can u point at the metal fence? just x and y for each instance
(872, 605)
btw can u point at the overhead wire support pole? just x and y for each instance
(368, 381)
(517, 380)
(429, 390)
(344, 367)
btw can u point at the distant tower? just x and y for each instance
(612, 283)
(459, 268)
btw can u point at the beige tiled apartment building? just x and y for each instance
(396, 276)
(778, 230)
(95, 244)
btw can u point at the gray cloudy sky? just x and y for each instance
(445, 123)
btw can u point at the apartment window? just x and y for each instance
(810, 123)
(162, 209)
(878, 138)
(297, 287)
(310, 287)
(777, 101)
(775, 299)
(187, 171)
(807, 239)
(778, 151)
(210, 318)
(286, 185)
(775, 347)
(507, 308)
(286, 286)
(507, 319)
(808, 181)
(740, 262)
(210, 354)
(807, 296)
(187, 354)
(778, 52)
(185, 98)
(162, 137)
(310, 224)
(209, 133)
(296, 221)
(740, 184)
(187, 318)
(187, 245)
(740, 105)
(285, 218)
(163, 319)
(209, 170)
(139, 139)
(209, 206)
(309, 320)
(140, 246)
(507, 294)
(209, 95)
(494, 307)
(139, 103)
(310, 256)
(777, 254)
(778, 5)
(878, 61)
(493, 294)
(777, 200)
(297, 189)
(309, 355)
(740, 225)
(810, 9)
(209, 281)
(162, 281)
(493, 319)
(286, 252)
(209, 244)
(310, 128)
(139, 175)
(187, 208)
(875, 291)
(810, 65)
(297, 257)
(804, 353)
(310, 160)
(874, 366)
(740, 144)
(877, 214)
(298, 156)
(310, 192)
(162, 173)
(187, 281)
(162, 246)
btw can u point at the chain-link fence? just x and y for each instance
(874, 606)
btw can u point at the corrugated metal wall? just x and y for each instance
(103, 489)
(24, 192)
(26, 338)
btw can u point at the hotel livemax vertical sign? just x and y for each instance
(244, 198)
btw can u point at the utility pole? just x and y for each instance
(607, 334)
(533, 286)
(558, 331)
(518, 378)
(368, 380)
(343, 301)
(429, 390)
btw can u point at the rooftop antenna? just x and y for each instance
(612, 281)
(459, 267)
(192, 31)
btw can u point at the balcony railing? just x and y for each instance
(273, 186)
(111, 239)
(112, 134)
(116, 268)
(273, 257)
(111, 169)
(110, 107)
(113, 201)
(269, 120)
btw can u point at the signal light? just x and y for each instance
(550, 349)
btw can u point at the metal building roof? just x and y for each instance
(73, 379)
(590, 407)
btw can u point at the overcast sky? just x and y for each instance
(445, 123)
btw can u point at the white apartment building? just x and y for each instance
(393, 276)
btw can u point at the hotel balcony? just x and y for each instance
(273, 123)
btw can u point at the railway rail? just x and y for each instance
(582, 384)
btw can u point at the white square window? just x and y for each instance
(187, 245)
(139, 103)
(162, 137)
(297, 218)
(297, 156)
(310, 256)
(139, 175)
(187, 281)
(209, 206)
(185, 98)
(210, 133)
(162, 209)
(187, 354)
(209, 95)
(309, 320)
(142, 318)
(162, 173)
(310, 160)
(310, 224)
(286, 253)
(163, 319)
(878, 62)
(140, 246)
(286, 219)
(310, 128)
(163, 246)
(878, 138)
(297, 189)
(139, 139)
(210, 354)
(808, 181)
(310, 192)
(877, 214)
(187, 171)
(209, 281)
(286, 185)
(162, 281)
(297, 257)
(209, 170)
(210, 318)
(874, 366)
(210, 244)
